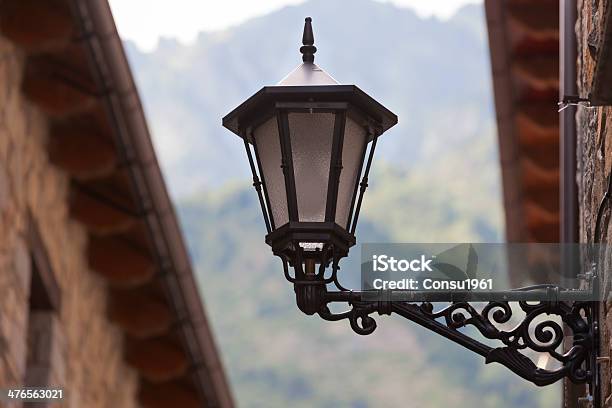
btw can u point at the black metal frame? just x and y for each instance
(277, 102)
(284, 239)
(354, 215)
(484, 312)
(335, 166)
(282, 117)
(261, 105)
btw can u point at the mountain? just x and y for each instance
(434, 74)
(435, 179)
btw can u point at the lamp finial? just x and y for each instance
(308, 49)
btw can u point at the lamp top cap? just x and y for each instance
(308, 49)
(306, 82)
(308, 73)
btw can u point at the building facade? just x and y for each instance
(33, 201)
(97, 292)
(594, 155)
(557, 167)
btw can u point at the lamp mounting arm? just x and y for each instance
(543, 336)
(523, 328)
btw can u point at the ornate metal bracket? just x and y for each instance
(543, 336)
(521, 325)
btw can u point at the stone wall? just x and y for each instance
(594, 158)
(85, 356)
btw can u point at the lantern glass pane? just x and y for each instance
(269, 150)
(352, 155)
(311, 145)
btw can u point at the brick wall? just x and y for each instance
(594, 155)
(80, 350)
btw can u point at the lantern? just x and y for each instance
(309, 140)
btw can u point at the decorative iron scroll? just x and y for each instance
(543, 336)
(534, 325)
(537, 329)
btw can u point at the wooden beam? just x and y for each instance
(536, 177)
(157, 360)
(529, 136)
(37, 25)
(545, 155)
(527, 46)
(539, 20)
(546, 199)
(529, 94)
(121, 265)
(541, 258)
(54, 97)
(56, 88)
(168, 395)
(537, 217)
(140, 314)
(81, 151)
(540, 71)
(540, 118)
(548, 233)
(100, 217)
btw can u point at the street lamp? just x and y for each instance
(309, 140)
(310, 137)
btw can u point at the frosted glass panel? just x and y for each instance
(268, 147)
(311, 144)
(352, 151)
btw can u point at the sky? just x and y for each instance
(145, 21)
